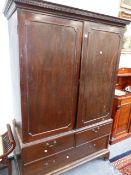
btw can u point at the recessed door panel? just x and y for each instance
(124, 119)
(99, 59)
(52, 54)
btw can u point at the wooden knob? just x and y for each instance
(55, 142)
(46, 163)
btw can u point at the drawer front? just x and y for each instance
(62, 159)
(93, 133)
(126, 101)
(48, 148)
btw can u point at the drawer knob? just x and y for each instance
(101, 52)
(55, 142)
(95, 130)
(53, 161)
(85, 35)
(45, 150)
(94, 145)
(67, 157)
(98, 127)
(46, 164)
(47, 144)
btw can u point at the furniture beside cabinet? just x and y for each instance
(121, 115)
(64, 63)
(7, 145)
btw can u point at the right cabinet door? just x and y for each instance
(100, 53)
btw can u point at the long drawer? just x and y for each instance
(64, 158)
(45, 149)
(93, 133)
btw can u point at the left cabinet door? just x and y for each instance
(49, 63)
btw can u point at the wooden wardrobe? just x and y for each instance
(64, 63)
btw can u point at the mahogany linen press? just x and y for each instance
(64, 62)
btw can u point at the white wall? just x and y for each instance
(6, 108)
(125, 59)
(110, 7)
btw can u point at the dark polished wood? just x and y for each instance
(91, 134)
(55, 162)
(121, 114)
(97, 88)
(63, 72)
(62, 160)
(49, 74)
(48, 148)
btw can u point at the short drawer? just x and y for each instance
(93, 133)
(62, 159)
(48, 148)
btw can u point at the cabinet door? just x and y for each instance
(49, 73)
(100, 53)
(123, 121)
(130, 123)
